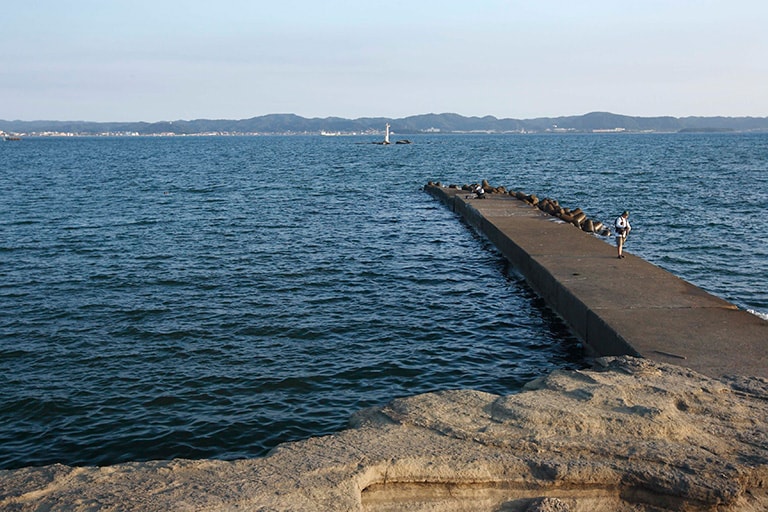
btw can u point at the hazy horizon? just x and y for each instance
(355, 118)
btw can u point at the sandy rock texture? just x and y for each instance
(628, 435)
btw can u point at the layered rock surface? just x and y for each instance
(628, 435)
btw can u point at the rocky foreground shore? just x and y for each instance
(628, 435)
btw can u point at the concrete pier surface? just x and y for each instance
(616, 306)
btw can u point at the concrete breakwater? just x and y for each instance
(615, 307)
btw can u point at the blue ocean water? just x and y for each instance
(216, 296)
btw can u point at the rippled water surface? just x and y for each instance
(213, 297)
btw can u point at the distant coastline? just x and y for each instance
(291, 124)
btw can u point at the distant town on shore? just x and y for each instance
(291, 124)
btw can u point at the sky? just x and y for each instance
(141, 60)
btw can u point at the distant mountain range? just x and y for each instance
(287, 124)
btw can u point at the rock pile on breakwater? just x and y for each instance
(574, 216)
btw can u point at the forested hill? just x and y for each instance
(426, 123)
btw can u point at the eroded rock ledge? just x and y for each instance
(628, 435)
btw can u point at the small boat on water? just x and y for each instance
(12, 138)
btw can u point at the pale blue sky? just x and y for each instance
(130, 60)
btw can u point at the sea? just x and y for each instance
(213, 297)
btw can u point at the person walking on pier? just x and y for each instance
(622, 230)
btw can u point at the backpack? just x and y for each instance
(620, 229)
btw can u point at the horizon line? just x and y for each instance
(386, 118)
